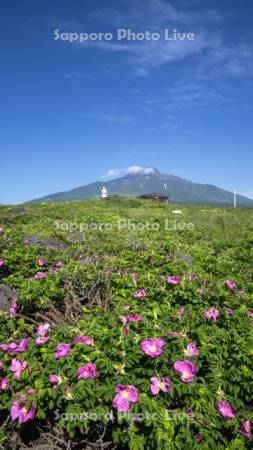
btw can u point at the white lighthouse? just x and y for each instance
(104, 192)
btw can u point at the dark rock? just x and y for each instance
(46, 242)
(6, 294)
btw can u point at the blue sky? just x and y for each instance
(72, 112)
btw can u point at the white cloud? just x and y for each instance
(133, 170)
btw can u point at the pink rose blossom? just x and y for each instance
(20, 411)
(13, 308)
(40, 262)
(1, 229)
(43, 329)
(134, 318)
(140, 293)
(17, 367)
(87, 371)
(62, 350)
(15, 348)
(2, 262)
(84, 340)
(245, 429)
(180, 312)
(225, 409)
(124, 396)
(123, 320)
(41, 340)
(186, 369)
(26, 242)
(4, 384)
(212, 314)
(198, 438)
(230, 285)
(39, 275)
(191, 350)
(174, 280)
(59, 264)
(157, 385)
(229, 311)
(152, 347)
(190, 412)
(54, 379)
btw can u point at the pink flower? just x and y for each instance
(43, 329)
(62, 350)
(123, 319)
(190, 412)
(40, 262)
(54, 379)
(174, 280)
(191, 350)
(134, 318)
(225, 409)
(84, 340)
(4, 384)
(140, 293)
(124, 396)
(13, 308)
(212, 314)
(242, 292)
(186, 369)
(152, 347)
(26, 242)
(230, 285)
(20, 411)
(59, 263)
(15, 348)
(1, 229)
(87, 371)
(198, 438)
(17, 367)
(229, 311)
(180, 312)
(2, 262)
(126, 307)
(245, 429)
(39, 275)
(41, 340)
(157, 385)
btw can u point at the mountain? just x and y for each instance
(136, 184)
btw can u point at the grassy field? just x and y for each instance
(166, 302)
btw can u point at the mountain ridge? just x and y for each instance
(179, 189)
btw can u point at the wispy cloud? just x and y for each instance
(118, 118)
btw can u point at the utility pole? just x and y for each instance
(235, 199)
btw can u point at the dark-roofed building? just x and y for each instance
(155, 197)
